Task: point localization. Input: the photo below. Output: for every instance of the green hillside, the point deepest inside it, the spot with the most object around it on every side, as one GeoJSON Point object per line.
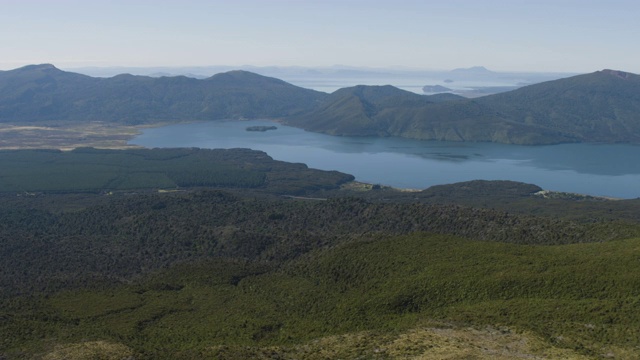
{"type": "Point", "coordinates": [600, 107]}
{"type": "Point", "coordinates": [388, 111]}
{"type": "Point", "coordinates": [510, 196]}
{"type": "Point", "coordinates": [369, 289]}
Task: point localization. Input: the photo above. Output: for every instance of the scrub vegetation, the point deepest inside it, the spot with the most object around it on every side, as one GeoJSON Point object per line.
{"type": "Point", "coordinates": [245, 272]}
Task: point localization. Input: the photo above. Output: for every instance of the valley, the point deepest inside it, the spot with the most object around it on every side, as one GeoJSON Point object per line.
{"type": "Point", "coordinates": [114, 248]}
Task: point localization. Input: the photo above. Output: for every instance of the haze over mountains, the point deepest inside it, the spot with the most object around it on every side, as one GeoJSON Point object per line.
{"type": "Point", "coordinates": [599, 107]}
{"type": "Point", "coordinates": [290, 73]}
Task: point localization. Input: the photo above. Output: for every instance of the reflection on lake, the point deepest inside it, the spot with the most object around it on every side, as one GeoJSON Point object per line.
{"type": "Point", "coordinates": [595, 169]}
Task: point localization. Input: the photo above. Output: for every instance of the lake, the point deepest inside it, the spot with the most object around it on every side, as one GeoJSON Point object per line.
{"type": "Point", "coordinates": [594, 169]}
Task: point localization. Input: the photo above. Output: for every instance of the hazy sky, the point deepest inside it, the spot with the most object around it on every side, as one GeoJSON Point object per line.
{"type": "Point", "coordinates": [503, 35]}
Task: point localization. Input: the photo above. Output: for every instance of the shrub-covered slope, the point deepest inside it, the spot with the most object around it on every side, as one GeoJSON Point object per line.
{"type": "Point", "coordinates": [129, 235]}
{"type": "Point", "coordinates": [576, 300]}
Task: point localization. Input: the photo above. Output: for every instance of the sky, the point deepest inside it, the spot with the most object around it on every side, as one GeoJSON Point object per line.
{"type": "Point", "coordinates": [502, 35]}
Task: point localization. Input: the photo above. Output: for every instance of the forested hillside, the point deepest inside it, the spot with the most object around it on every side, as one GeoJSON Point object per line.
{"type": "Point", "coordinates": [603, 106]}
{"type": "Point", "coordinates": [600, 107]}
{"type": "Point", "coordinates": [95, 170]}
{"type": "Point", "coordinates": [241, 256]}
{"type": "Point", "coordinates": [220, 275]}
{"type": "Point", "coordinates": [43, 93]}
{"type": "Point", "coordinates": [134, 234]}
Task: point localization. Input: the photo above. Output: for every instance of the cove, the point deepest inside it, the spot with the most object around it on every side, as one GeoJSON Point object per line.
{"type": "Point", "coordinates": [611, 170]}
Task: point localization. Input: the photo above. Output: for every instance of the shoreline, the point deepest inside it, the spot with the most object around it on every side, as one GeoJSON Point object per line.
{"type": "Point", "coordinates": [101, 135]}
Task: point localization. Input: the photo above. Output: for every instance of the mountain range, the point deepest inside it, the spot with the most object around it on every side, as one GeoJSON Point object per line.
{"type": "Point", "coordinates": [600, 107]}
{"type": "Point", "coordinates": [603, 106]}
{"type": "Point", "coordinates": [39, 93]}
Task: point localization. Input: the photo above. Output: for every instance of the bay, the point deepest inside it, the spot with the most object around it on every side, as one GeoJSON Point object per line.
{"type": "Point", "coordinates": [611, 170]}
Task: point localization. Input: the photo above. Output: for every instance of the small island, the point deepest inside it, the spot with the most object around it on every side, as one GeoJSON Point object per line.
{"type": "Point", "coordinates": [261, 128]}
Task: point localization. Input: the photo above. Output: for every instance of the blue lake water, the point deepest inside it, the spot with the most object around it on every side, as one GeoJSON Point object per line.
{"type": "Point", "coordinates": [594, 169]}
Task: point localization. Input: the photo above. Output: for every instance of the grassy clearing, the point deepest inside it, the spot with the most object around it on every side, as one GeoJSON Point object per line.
{"type": "Point", "coordinates": [443, 341]}
{"type": "Point", "coordinates": [67, 136]}
{"type": "Point", "coordinates": [94, 350]}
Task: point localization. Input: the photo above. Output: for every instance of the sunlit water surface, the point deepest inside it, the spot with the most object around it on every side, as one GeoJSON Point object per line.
{"type": "Point", "coordinates": [594, 169]}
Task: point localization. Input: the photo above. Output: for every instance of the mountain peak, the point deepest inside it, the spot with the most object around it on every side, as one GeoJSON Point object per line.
{"type": "Point", "coordinates": [373, 90]}
{"type": "Point", "coordinates": [39, 67]}
{"type": "Point", "coordinates": [617, 73]}
{"type": "Point", "coordinates": [245, 78]}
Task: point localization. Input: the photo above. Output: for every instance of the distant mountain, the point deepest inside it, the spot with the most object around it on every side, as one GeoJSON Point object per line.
{"type": "Point", "coordinates": [598, 107]}
{"type": "Point", "coordinates": [388, 111]}
{"type": "Point", "coordinates": [477, 77]}
{"type": "Point", "coordinates": [45, 93]}
{"type": "Point", "coordinates": [474, 70]}
{"type": "Point", "coordinates": [360, 110]}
